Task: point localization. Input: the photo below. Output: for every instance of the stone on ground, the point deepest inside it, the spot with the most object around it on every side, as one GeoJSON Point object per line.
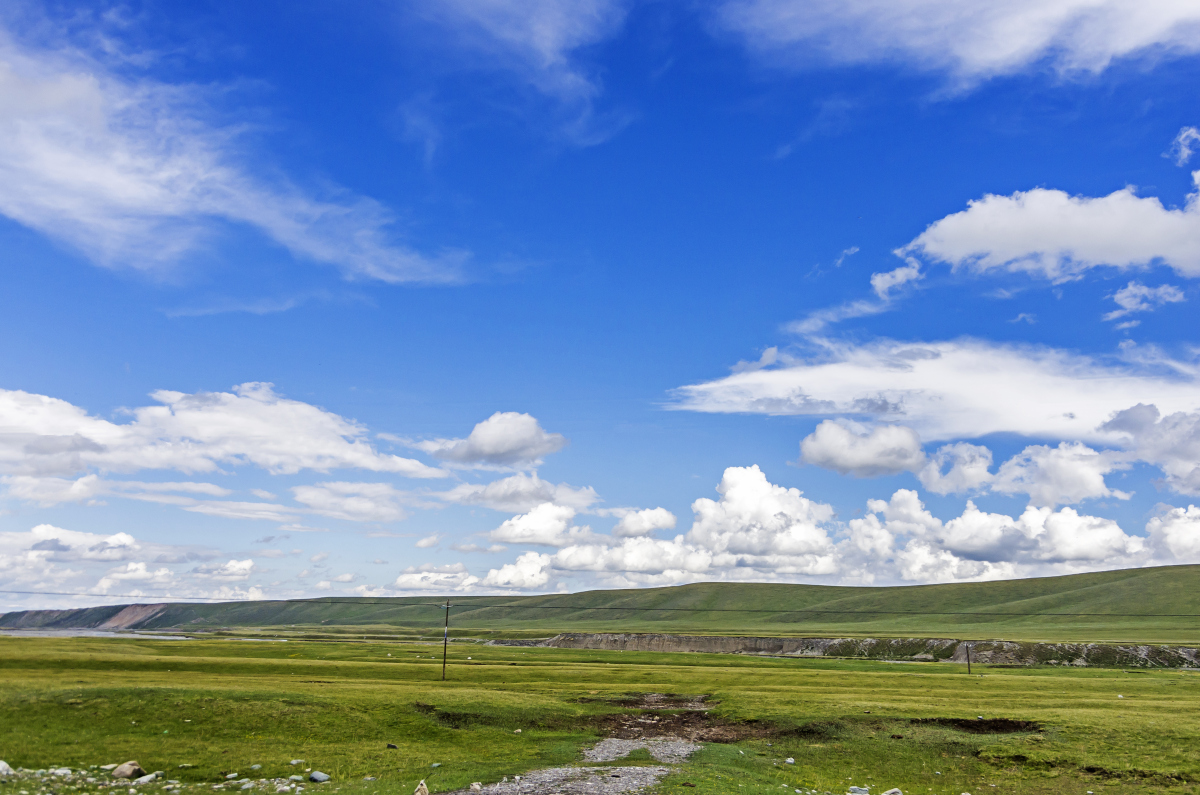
{"type": "Point", "coordinates": [5, 770]}
{"type": "Point", "coordinates": [146, 779]}
{"type": "Point", "coordinates": [130, 769]}
{"type": "Point", "coordinates": [318, 776]}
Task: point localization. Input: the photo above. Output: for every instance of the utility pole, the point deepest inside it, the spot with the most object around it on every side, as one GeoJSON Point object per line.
{"type": "Point", "coordinates": [446, 640]}
{"type": "Point", "coordinates": [968, 661]}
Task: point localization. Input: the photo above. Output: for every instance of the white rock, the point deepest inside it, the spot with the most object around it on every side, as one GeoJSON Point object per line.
{"type": "Point", "coordinates": [296, 762]}
{"type": "Point", "coordinates": [894, 791]}
{"type": "Point", "coordinates": [476, 786]}
{"type": "Point", "coordinates": [5, 770]}
{"type": "Point", "coordinates": [792, 761]}
{"type": "Point", "coordinates": [146, 779]}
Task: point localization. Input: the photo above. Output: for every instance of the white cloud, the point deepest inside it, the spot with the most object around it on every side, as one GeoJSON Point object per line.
{"type": "Point", "coordinates": [969, 469]}
{"type": "Point", "coordinates": [231, 570]}
{"type": "Point", "coordinates": [852, 450]}
{"type": "Point", "coordinates": [505, 440]}
{"type": "Point", "coordinates": [1171, 442]}
{"type": "Point", "coordinates": [137, 572]}
{"type": "Point", "coordinates": [1176, 534]}
{"type": "Point", "coordinates": [982, 546]}
{"type": "Point", "coordinates": [1052, 234]}
{"type": "Point", "coordinates": [353, 502]}
{"type": "Point", "coordinates": [131, 173]}
{"type": "Point", "coordinates": [634, 524]}
{"type": "Point", "coordinates": [970, 41]}
{"type": "Point", "coordinates": [53, 491]}
{"type": "Point", "coordinates": [546, 525]}
{"type": "Point", "coordinates": [1137, 297]}
{"type": "Point", "coordinates": [667, 561]}
{"type": "Point", "coordinates": [520, 492]}
{"type": "Point", "coordinates": [1181, 147]}
{"type": "Point", "coordinates": [957, 389]}
{"type": "Point", "coordinates": [884, 283]}
{"type": "Point", "coordinates": [42, 436]}
{"type": "Point", "coordinates": [759, 524]}
{"type": "Point", "coordinates": [1068, 473]}
{"type": "Point", "coordinates": [428, 541]}
{"type": "Point", "coordinates": [530, 570]}
{"type": "Point", "coordinates": [537, 38]}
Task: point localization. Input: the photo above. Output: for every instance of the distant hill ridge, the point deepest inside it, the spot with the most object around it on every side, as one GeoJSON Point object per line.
{"type": "Point", "coordinates": [1144, 605]}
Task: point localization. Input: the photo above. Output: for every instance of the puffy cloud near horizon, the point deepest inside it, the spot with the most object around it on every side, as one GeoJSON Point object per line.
{"type": "Point", "coordinates": [971, 42]}
{"type": "Point", "coordinates": [50, 558]}
{"type": "Point", "coordinates": [520, 492]}
{"type": "Point", "coordinates": [1050, 476]}
{"type": "Point", "coordinates": [547, 525]}
{"type": "Point", "coordinates": [956, 389]}
{"type": "Point", "coordinates": [634, 524]}
{"type": "Point", "coordinates": [505, 440]}
{"type": "Point", "coordinates": [134, 173]}
{"type": "Point", "coordinates": [1054, 235]}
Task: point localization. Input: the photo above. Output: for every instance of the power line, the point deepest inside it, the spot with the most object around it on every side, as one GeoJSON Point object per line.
{"type": "Point", "coordinates": [477, 605]}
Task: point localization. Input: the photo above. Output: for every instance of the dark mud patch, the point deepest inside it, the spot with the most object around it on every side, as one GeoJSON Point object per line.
{"type": "Point", "coordinates": [983, 725]}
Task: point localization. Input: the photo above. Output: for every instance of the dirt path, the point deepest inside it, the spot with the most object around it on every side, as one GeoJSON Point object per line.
{"type": "Point", "coordinates": [629, 733]}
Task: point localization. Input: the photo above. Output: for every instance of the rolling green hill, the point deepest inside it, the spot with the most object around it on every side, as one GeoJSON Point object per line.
{"type": "Point", "coordinates": [1151, 605]}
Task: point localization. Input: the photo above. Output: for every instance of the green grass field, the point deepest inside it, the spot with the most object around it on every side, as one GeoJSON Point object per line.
{"type": "Point", "coordinates": [1100, 606]}
{"type": "Point", "coordinates": [222, 705]}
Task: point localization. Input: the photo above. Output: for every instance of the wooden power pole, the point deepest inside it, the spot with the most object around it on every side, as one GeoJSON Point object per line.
{"type": "Point", "coordinates": [445, 639]}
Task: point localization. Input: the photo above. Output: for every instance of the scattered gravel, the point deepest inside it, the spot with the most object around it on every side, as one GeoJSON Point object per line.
{"type": "Point", "coordinates": [579, 781]}
{"type": "Point", "coordinates": [671, 750]}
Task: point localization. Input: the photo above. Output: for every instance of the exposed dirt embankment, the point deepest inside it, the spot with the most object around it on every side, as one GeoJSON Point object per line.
{"type": "Point", "coordinates": [995, 652]}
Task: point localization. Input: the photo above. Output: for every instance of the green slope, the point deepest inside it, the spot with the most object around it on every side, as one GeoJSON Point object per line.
{"type": "Point", "coordinates": [1153, 605]}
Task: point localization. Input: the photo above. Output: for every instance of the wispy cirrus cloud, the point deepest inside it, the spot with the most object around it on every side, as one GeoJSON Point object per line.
{"type": "Point", "coordinates": [970, 42]}
{"type": "Point", "coordinates": [137, 173]}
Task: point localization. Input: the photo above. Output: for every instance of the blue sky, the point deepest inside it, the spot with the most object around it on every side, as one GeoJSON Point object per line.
{"type": "Point", "coordinates": [480, 296]}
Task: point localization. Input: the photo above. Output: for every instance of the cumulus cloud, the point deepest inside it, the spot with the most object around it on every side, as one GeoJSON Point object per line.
{"type": "Point", "coordinates": [530, 570]}
{"type": "Point", "coordinates": [756, 523]}
{"type": "Point", "coordinates": [132, 173]}
{"type": "Point", "coordinates": [952, 390]}
{"type": "Point", "coordinates": [1068, 473]}
{"type": "Point", "coordinates": [634, 524]}
{"type": "Point", "coordinates": [428, 577]}
{"type": "Point", "coordinates": [970, 42]}
{"type": "Point", "coordinates": [901, 536]}
{"type": "Point", "coordinates": [1137, 297]}
{"type": "Point", "coordinates": [1171, 442]}
{"type": "Point", "coordinates": [957, 468]}
{"type": "Point", "coordinates": [1057, 236]}
{"type": "Point", "coordinates": [1176, 534]}
{"type": "Point", "coordinates": [353, 502]}
{"type": "Point", "coordinates": [546, 525]}
{"type": "Point", "coordinates": [520, 492]}
{"type": "Point", "coordinates": [505, 440]}
{"type": "Point", "coordinates": [852, 450]}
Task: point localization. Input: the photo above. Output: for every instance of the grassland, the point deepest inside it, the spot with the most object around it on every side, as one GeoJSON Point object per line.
{"type": "Point", "coordinates": [1153, 605]}
{"type": "Point", "coordinates": [222, 705]}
